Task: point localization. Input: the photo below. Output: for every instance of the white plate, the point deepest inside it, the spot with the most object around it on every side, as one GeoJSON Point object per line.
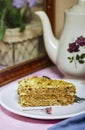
{"type": "Point", "coordinates": [9, 100]}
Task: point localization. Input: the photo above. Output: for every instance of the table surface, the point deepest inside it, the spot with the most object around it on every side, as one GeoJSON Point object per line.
{"type": "Point", "coordinates": [13, 121]}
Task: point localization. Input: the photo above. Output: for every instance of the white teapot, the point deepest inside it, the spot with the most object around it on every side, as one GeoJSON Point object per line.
{"type": "Point", "coordinates": [68, 53]}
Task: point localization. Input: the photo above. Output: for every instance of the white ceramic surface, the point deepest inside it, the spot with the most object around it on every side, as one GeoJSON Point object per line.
{"type": "Point", "coordinates": [69, 63]}
{"type": "Point", "coordinates": [9, 100]}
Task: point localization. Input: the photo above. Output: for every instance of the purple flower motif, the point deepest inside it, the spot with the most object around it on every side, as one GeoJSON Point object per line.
{"type": "Point", "coordinates": [73, 47]}
{"type": "Point", "coordinates": [31, 3]}
{"type": "Point", "coordinates": [19, 3]}
{"type": "Point", "coordinates": [81, 41]}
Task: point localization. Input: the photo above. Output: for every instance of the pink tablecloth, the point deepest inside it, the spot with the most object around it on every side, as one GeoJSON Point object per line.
{"type": "Point", "coordinates": [11, 121]}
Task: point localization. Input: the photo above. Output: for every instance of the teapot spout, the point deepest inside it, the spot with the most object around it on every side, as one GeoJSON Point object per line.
{"type": "Point", "coordinates": [51, 43]}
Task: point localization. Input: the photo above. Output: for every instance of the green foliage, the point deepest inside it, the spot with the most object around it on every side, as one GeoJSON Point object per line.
{"type": "Point", "coordinates": [11, 17]}
{"type": "Point", "coordinates": [80, 58]}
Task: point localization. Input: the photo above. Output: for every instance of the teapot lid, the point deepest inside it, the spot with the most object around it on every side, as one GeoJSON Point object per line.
{"type": "Point", "coordinates": [79, 8]}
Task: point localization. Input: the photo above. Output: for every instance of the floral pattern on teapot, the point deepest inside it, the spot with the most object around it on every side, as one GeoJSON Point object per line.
{"type": "Point", "coordinates": [75, 47]}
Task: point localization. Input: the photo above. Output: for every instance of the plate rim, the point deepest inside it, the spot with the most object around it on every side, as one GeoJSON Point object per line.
{"type": "Point", "coordinates": [47, 117]}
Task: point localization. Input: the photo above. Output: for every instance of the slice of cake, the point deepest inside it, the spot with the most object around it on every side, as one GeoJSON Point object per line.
{"type": "Point", "coordinates": [36, 91]}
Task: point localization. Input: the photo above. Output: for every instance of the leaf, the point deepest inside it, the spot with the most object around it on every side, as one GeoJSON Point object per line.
{"type": "Point", "coordinates": [2, 32]}
{"type": "Point", "coordinates": [81, 61]}
{"type": "Point", "coordinates": [23, 11]}
{"type": "Point", "coordinates": [77, 57]}
{"type": "Point", "coordinates": [22, 27]}
{"type": "Point", "coordinates": [15, 18]}
{"type": "Point", "coordinates": [82, 56]}
{"type": "Point", "coordinates": [2, 26]}
{"type": "Point", "coordinates": [70, 59]}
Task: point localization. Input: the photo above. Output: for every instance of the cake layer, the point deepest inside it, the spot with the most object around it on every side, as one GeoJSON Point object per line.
{"type": "Point", "coordinates": [36, 91]}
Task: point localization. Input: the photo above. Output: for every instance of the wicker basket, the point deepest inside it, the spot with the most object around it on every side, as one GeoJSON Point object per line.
{"type": "Point", "coordinates": [18, 47]}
